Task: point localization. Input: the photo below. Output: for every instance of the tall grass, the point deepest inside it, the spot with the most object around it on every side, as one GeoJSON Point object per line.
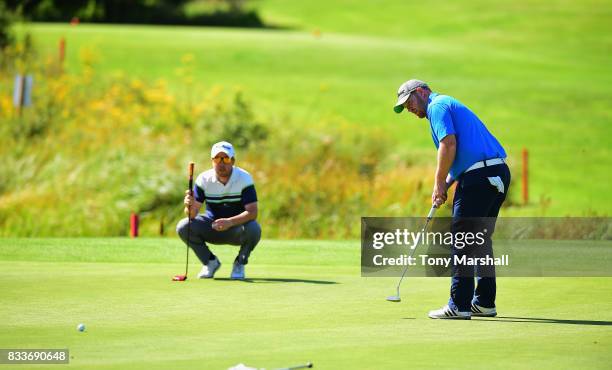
{"type": "Point", "coordinates": [92, 149]}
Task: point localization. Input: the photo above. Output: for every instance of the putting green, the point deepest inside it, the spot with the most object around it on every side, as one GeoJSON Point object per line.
{"type": "Point", "coordinates": [304, 301]}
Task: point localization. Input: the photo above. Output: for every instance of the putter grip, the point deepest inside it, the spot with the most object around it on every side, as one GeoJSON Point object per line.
{"type": "Point", "coordinates": [191, 165]}
{"type": "Point", "coordinates": [432, 211]}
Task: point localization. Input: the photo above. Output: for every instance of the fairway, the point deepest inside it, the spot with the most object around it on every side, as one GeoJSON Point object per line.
{"type": "Point", "coordinates": [304, 301]}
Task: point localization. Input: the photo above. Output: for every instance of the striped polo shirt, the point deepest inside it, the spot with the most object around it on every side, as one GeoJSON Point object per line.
{"type": "Point", "coordinates": [227, 200]}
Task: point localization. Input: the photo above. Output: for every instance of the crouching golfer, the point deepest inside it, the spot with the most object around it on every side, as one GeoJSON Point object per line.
{"type": "Point", "coordinates": [468, 153]}
{"type": "Point", "coordinates": [231, 210]}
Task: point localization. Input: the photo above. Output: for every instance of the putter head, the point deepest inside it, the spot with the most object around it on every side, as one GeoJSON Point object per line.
{"type": "Point", "coordinates": [179, 278]}
{"type": "Point", "coordinates": [394, 298]}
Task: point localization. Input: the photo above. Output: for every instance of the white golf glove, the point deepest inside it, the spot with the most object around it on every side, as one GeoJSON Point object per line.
{"type": "Point", "coordinates": [498, 183]}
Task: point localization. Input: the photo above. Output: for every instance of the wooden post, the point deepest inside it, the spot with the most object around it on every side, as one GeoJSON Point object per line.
{"type": "Point", "coordinates": [134, 225]}
{"type": "Point", "coordinates": [161, 227]}
{"type": "Point", "coordinates": [22, 93]}
{"type": "Point", "coordinates": [525, 176]}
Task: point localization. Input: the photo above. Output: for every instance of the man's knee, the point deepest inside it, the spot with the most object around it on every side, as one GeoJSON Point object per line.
{"type": "Point", "coordinates": [252, 232]}
{"type": "Point", "coordinates": [181, 228]}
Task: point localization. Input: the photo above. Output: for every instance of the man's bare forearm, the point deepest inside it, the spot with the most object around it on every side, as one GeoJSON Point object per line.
{"type": "Point", "coordinates": [194, 211]}
{"type": "Point", "coordinates": [243, 218]}
{"type": "Point", "coordinates": [446, 156]}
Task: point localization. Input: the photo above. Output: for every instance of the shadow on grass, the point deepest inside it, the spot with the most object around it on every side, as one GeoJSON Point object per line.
{"type": "Point", "coordinates": [544, 321]}
{"type": "Point", "coordinates": [278, 280]}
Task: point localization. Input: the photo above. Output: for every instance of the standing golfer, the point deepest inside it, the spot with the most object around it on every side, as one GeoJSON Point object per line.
{"type": "Point", "coordinates": [469, 154]}
{"type": "Point", "coordinates": [231, 210]}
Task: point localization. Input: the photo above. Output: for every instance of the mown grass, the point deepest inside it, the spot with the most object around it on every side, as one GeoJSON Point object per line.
{"type": "Point", "coordinates": [305, 301]}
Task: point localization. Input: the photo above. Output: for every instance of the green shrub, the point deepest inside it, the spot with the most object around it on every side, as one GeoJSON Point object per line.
{"type": "Point", "coordinates": [6, 37]}
{"type": "Point", "coordinates": [228, 13]}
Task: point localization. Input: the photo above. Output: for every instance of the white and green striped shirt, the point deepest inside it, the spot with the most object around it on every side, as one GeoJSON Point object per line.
{"type": "Point", "coordinates": [227, 200]}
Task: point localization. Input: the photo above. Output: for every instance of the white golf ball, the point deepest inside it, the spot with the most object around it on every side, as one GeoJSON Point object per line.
{"type": "Point", "coordinates": [81, 327]}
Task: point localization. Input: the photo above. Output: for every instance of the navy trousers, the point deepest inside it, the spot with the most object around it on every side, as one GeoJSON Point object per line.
{"type": "Point", "coordinates": [475, 208]}
{"type": "Point", "coordinates": [246, 236]}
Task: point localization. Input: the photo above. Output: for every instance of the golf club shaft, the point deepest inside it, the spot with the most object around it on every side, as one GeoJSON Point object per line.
{"type": "Point", "coordinates": [190, 171]}
{"type": "Point", "coordinates": [432, 211]}
{"type": "Point", "coordinates": [305, 366]}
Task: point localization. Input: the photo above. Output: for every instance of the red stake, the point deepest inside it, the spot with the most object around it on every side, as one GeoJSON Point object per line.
{"type": "Point", "coordinates": [134, 225]}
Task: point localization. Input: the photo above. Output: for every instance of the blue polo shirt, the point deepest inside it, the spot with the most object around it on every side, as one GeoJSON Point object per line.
{"type": "Point", "coordinates": [475, 143]}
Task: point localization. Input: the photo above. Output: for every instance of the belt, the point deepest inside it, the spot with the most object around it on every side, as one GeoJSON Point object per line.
{"type": "Point", "coordinates": [485, 163]}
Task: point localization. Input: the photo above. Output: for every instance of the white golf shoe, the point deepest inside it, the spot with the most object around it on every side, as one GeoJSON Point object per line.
{"type": "Point", "coordinates": [483, 311]}
{"type": "Point", "coordinates": [448, 313]}
{"type": "Point", "coordinates": [208, 270]}
{"type": "Point", "coordinates": [237, 271]}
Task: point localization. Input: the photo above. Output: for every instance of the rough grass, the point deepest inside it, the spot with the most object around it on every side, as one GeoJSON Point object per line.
{"type": "Point", "coordinates": [536, 74]}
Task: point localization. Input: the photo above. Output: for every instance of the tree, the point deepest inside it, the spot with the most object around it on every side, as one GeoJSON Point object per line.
{"type": "Point", "coordinates": [5, 27]}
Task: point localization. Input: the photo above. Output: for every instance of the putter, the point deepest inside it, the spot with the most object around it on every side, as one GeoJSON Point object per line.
{"type": "Point", "coordinates": [397, 297]}
{"type": "Point", "coordinates": [305, 366]}
{"type": "Point", "coordinates": [184, 277]}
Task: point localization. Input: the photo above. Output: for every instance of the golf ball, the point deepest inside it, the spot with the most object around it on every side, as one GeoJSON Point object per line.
{"type": "Point", "coordinates": [81, 327]}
